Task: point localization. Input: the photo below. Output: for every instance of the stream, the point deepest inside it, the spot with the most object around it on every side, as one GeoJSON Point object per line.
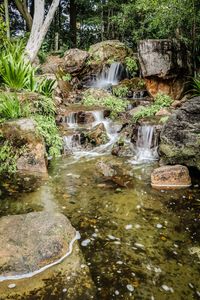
{"type": "Point", "coordinates": [139, 243]}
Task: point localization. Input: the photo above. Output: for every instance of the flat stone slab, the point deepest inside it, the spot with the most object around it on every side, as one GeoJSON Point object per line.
{"type": "Point", "coordinates": [30, 242]}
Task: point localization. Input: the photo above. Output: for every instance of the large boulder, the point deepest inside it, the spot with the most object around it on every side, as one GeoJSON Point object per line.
{"type": "Point", "coordinates": [180, 136]}
{"type": "Point", "coordinates": [23, 135]}
{"type": "Point", "coordinates": [74, 61]}
{"type": "Point", "coordinates": [40, 248]}
{"type": "Point", "coordinates": [165, 65]}
{"type": "Point", "coordinates": [51, 65]}
{"type": "Point", "coordinates": [170, 177]}
{"type": "Point", "coordinates": [103, 54]}
{"type": "Point", "coordinates": [109, 50]}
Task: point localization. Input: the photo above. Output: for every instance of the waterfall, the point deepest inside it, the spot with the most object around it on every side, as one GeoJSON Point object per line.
{"type": "Point", "coordinates": [110, 76]}
{"type": "Point", "coordinates": [71, 142]}
{"type": "Point", "coordinates": [146, 145]}
{"type": "Point", "coordinates": [138, 94]}
{"type": "Point", "coordinates": [71, 119]}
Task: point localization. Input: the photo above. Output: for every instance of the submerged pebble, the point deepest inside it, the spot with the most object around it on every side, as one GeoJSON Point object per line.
{"type": "Point", "coordinates": [130, 287]}
{"type": "Point", "coordinates": [12, 286]}
{"type": "Point", "coordinates": [85, 242]}
{"type": "Point", "coordinates": [167, 288]}
{"type": "Point", "coordinates": [159, 226]}
{"type": "Point", "coordinates": [129, 226]}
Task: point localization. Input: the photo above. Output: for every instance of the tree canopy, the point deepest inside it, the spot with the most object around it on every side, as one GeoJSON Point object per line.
{"type": "Point", "coordinates": [81, 23]}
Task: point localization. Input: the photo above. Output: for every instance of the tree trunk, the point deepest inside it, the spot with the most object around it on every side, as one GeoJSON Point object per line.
{"type": "Point", "coordinates": [40, 27]}
{"type": "Point", "coordinates": [7, 18]}
{"type": "Point", "coordinates": [73, 31]}
{"type": "Point", "coordinates": [23, 9]}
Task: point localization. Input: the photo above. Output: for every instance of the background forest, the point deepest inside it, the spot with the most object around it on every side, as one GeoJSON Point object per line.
{"type": "Point", "coordinates": [84, 22]}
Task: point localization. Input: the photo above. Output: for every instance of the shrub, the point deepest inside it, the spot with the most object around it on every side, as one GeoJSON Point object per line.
{"type": "Point", "coordinates": [131, 65]}
{"type": "Point", "coordinates": [46, 127]}
{"type": "Point", "coordinates": [8, 157]}
{"type": "Point", "coordinates": [161, 100]}
{"type": "Point", "coordinates": [45, 106]}
{"type": "Point", "coordinates": [120, 91]}
{"type": "Point", "coordinates": [114, 104]}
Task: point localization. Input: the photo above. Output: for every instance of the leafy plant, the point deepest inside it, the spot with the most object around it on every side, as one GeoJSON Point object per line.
{"type": "Point", "coordinates": [196, 86]}
{"type": "Point", "coordinates": [46, 87]}
{"type": "Point", "coordinates": [11, 108]}
{"type": "Point", "coordinates": [15, 71]}
{"type": "Point", "coordinates": [45, 106]}
{"type": "Point", "coordinates": [62, 75]}
{"type": "Point", "coordinates": [46, 127]}
{"type": "Point", "coordinates": [8, 158]}
{"type": "Point", "coordinates": [131, 65]}
{"type": "Point", "coordinates": [161, 100]}
{"type": "Point", "coordinates": [120, 91]}
{"type": "Point", "coordinates": [164, 119]}
{"type": "Point", "coordinates": [114, 104]}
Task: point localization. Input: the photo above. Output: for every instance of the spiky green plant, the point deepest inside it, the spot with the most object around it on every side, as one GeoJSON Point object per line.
{"type": "Point", "coordinates": [15, 70]}
{"type": "Point", "coordinates": [11, 108]}
{"type": "Point", "coordinates": [46, 87]}
{"type": "Point", "coordinates": [196, 86]}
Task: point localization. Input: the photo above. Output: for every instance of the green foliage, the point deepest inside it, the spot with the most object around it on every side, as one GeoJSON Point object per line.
{"type": "Point", "coordinates": [164, 119]}
{"type": "Point", "coordinates": [46, 127]}
{"type": "Point", "coordinates": [46, 87]}
{"type": "Point", "coordinates": [141, 84]}
{"type": "Point", "coordinates": [161, 100]}
{"type": "Point", "coordinates": [11, 108]}
{"type": "Point", "coordinates": [67, 77]}
{"type": "Point", "coordinates": [114, 104]}
{"type": "Point", "coordinates": [2, 26]}
{"type": "Point", "coordinates": [131, 65]}
{"type": "Point", "coordinates": [196, 86]}
{"type": "Point", "coordinates": [62, 75]}
{"type": "Point", "coordinates": [120, 91]}
{"type": "Point", "coordinates": [8, 158]}
{"type": "Point", "coordinates": [15, 71]}
{"type": "Point", "coordinates": [45, 106]}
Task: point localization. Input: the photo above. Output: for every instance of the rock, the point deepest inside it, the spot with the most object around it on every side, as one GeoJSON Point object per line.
{"type": "Point", "coordinates": [52, 65]}
{"type": "Point", "coordinates": [165, 65]}
{"type": "Point", "coordinates": [180, 136]}
{"type": "Point", "coordinates": [170, 177]}
{"type": "Point", "coordinates": [74, 61]}
{"type": "Point", "coordinates": [97, 135]}
{"type": "Point", "coordinates": [122, 149]}
{"type": "Point", "coordinates": [64, 89]}
{"type": "Point", "coordinates": [114, 173]}
{"type": "Point", "coordinates": [22, 133]}
{"type": "Point", "coordinates": [163, 112]}
{"type": "Point", "coordinates": [176, 104]}
{"type": "Point", "coordinates": [40, 238]}
{"type": "Point", "coordinates": [29, 244]}
{"type": "Point", "coordinates": [110, 50]}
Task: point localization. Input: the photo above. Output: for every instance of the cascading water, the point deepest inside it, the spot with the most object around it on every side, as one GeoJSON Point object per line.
{"type": "Point", "coordinates": [110, 76]}
{"type": "Point", "coordinates": [146, 145]}
{"type": "Point", "coordinates": [73, 142]}
{"type": "Point", "coordinates": [71, 120]}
